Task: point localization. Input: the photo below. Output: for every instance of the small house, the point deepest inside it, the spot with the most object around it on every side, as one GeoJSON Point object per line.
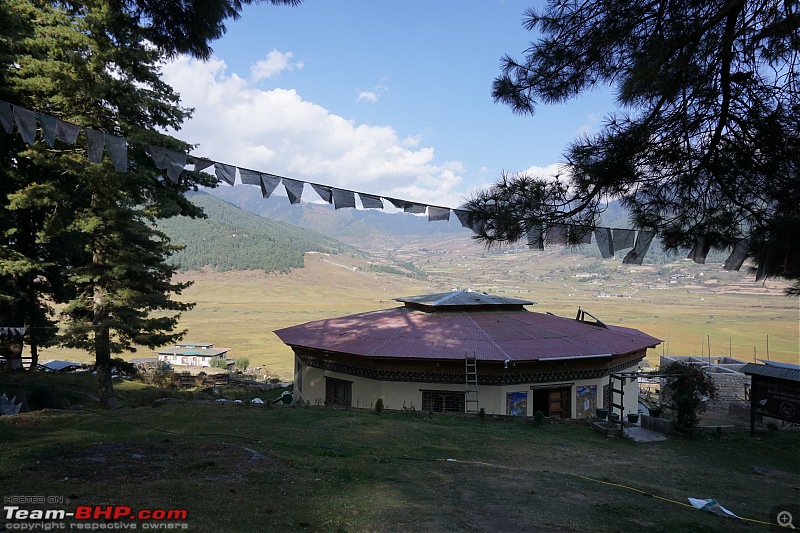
{"type": "Point", "coordinates": [192, 354]}
{"type": "Point", "coordinates": [462, 351]}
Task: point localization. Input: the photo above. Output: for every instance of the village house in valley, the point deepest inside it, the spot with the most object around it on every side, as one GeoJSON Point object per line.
{"type": "Point", "coordinates": [192, 354]}
{"type": "Point", "coordinates": [461, 351]}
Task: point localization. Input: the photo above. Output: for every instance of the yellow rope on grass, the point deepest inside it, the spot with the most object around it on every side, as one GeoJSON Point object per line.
{"type": "Point", "coordinates": [608, 483]}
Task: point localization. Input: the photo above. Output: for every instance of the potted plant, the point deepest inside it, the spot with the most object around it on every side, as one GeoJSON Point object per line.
{"type": "Point", "coordinates": [633, 418]}
{"type": "Point", "coordinates": [655, 412]}
{"type": "Point", "coordinates": [613, 417]}
{"type": "Point", "coordinates": [602, 413]}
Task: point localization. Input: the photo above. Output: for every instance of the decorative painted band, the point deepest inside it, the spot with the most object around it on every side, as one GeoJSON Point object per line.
{"type": "Point", "coordinates": [455, 377]}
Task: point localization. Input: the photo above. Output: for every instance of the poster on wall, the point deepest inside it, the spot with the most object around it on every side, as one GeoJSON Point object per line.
{"type": "Point", "coordinates": [586, 403]}
{"type": "Point", "coordinates": [517, 403]}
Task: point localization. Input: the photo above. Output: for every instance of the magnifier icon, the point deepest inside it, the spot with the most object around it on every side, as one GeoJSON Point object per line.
{"type": "Point", "coordinates": [785, 519]}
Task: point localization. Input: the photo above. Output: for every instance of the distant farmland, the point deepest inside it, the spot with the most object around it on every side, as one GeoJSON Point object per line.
{"type": "Point", "coordinates": [684, 304]}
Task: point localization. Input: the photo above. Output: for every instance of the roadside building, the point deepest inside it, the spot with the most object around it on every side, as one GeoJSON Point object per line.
{"type": "Point", "coordinates": [192, 354]}
{"type": "Point", "coordinates": [462, 351]}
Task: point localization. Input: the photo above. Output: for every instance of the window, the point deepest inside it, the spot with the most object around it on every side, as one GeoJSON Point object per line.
{"type": "Point", "coordinates": [338, 392]}
{"type": "Point", "coordinates": [443, 401]}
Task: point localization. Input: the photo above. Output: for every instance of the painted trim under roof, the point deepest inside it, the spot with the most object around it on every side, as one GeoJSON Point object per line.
{"type": "Point", "coordinates": [579, 357]}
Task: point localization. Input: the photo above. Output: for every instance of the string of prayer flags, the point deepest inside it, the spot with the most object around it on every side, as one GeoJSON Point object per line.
{"type": "Point", "coordinates": [608, 240]}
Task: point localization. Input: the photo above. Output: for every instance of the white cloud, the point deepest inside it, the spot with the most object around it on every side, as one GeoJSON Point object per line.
{"type": "Point", "coordinates": [278, 131]}
{"type": "Point", "coordinates": [275, 63]}
{"type": "Point", "coordinates": [367, 96]}
{"type": "Point", "coordinates": [590, 126]}
{"type": "Point", "coordinates": [372, 95]}
{"type": "Point", "coordinates": [548, 172]}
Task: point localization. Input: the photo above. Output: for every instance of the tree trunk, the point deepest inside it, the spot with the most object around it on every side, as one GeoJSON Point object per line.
{"type": "Point", "coordinates": [102, 333]}
{"type": "Point", "coordinates": [102, 352]}
{"type": "Point", "coordinates": [34, 356]}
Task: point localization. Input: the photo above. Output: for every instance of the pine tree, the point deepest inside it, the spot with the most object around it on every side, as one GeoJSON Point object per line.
{"type": "Point", "coordinates": [80, 232]}
{"type": "Point", "coordinates": [706, 149]}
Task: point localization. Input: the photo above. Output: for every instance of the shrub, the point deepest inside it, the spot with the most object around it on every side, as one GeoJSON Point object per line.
{"type": "Point", "coordinates": [242, 363]}
{"type": "Point", "coordinates": [685, 390]}
{"type": "Point", "coordinates": [219, 362]}
{"type": "Point", "coordinates": [482, 414]}
{"type": "Point", "coordinates": [538, 418]}
{"type": "Point", "coordinates": [378, 406]}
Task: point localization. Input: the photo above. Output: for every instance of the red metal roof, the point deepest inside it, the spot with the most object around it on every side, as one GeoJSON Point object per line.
{"type": "Point", "coordinates": [488, 335]}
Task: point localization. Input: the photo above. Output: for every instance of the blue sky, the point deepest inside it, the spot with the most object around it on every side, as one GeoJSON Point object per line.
{"type": "Point", "coordinates": [386, 97]}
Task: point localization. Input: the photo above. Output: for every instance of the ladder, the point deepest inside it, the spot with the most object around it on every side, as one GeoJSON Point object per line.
{"type": "Point", "coordinates": [471, 385]}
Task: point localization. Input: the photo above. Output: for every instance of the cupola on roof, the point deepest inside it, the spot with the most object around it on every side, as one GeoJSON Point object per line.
{"type": "Point", "coordinates": [462, 300]}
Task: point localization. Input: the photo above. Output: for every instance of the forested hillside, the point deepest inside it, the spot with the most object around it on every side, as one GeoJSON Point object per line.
{"type": "Point", "coordinates": [233, 239]}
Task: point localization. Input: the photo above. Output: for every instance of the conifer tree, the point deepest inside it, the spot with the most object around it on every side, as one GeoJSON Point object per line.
{"type": "Point", "coordinates": [79, 232]}
{"type": "Point", "coordinates": [706, 147]}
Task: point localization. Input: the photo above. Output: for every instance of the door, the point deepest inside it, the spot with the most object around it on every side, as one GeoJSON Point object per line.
{"type": "Point", "coordinates": [556, 403]}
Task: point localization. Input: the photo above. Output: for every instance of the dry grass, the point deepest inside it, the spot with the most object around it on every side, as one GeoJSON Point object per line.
{"type": "Point", "coordinates": [241, 309]}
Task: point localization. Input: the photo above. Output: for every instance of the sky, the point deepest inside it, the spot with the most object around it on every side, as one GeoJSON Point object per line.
{"type": "Point", "coordinates": [386, 97]}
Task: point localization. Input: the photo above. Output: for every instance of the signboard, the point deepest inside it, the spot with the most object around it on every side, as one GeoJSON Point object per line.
{"type": "Point", "coordinates": [776, 398]}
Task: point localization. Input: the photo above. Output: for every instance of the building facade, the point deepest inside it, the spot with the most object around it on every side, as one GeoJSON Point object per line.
{"type": "Point", "coordinates": [192, 354]}
{"type": "Point", "coordinates": [462, 351]}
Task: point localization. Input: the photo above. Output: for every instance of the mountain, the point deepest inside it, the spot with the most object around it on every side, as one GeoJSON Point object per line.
{"type": "Point", "coordinates": [365, 228]}
{"type": "Point", "coordinates": [233, 239]}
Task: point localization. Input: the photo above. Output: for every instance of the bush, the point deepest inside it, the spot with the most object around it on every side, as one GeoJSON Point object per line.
{"type": "Point", "coordinates": [242, 363]}
{"type": "Point", "coordinates": [482, 414]}
{"type": "Point", "coordinates": [378, 406]}
{"type": "Point", "coordinates": [219, 362]}
{"type": "Point", "coordinates": [685, 390]}
{"type": "Point", "coordinates": [538, 418]}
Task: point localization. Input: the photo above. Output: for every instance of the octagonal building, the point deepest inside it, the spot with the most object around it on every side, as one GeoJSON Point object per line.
{"type": "Point", "coordinates": [461, 351]}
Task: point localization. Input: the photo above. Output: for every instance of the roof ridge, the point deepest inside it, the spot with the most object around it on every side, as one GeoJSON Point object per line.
{"type": "Point", "coordinates": [486, 336]}
{"type": "Point", "coordinates": [449, 295]}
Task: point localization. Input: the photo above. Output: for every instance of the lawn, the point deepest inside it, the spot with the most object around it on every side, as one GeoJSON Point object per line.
{"type": "Point", "coordinates": [256, 468]}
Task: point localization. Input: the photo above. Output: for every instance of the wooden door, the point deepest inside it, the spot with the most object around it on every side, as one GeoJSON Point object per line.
{"type": "Point", "coordinates": [556, 403]}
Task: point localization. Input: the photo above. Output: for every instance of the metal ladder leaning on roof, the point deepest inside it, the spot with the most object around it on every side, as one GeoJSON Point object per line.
{"type": "Point", "coordinates": [471, 387]}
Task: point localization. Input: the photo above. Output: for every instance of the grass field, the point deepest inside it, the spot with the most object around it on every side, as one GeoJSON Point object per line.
{"type": "Point", "coordinates": [252, 468]}
{"type": "Point", "coordinates": [240, 310]}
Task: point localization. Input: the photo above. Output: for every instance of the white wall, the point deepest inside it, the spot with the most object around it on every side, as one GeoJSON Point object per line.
{"type": "Point", "coordinates": [396, 394]}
